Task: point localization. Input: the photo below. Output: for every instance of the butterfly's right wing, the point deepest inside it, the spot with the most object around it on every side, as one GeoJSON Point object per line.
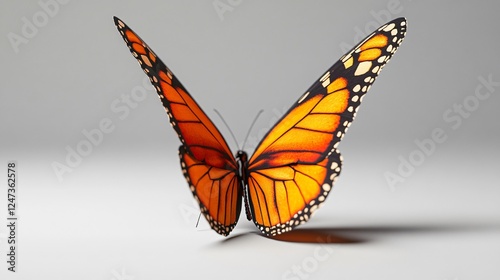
{"type": "Point", "coordinates": [293, 168]}
{"type": "Point", "coordinates": [206, 160]}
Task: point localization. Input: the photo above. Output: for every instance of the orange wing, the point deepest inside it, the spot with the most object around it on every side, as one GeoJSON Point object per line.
{"type": "Point", "coordinates": [296, 163]}
{"type": "Point", "coordinates": [207, 161]}
{"type": "Point", "coordinates": [195, 130]}
{"type": "Point", "coordinates": [218, 192]}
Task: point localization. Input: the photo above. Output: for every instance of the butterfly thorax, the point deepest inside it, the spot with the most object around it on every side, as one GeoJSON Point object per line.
{"type": "Point", "coordinates": [242, 160]}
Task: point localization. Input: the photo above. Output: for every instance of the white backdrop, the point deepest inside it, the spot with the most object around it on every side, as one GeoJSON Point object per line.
{"type": "Point", "coordinates": [408, 204]}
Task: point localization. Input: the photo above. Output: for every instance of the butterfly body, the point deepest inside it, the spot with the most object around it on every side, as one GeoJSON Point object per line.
{"type": "Point", "coordinates": [292, 170]}
{"type": "Point", "coordinates": [242, 160]}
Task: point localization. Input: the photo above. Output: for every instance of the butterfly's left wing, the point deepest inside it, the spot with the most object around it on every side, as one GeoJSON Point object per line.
{"type": "Point", "coordinates": [296, 163]}
{"type": "Point", "coordinates": [206, 160]}
{"type": "Point", "coordinates": [194, 128]}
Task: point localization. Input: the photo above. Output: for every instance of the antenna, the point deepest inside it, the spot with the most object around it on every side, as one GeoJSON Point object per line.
{"type": "Point", "coordinates": [227, 126]}
{"type": "Point", "coordinates": [198, 219]}
{"type": "Point", "coordinates": [251, 126]}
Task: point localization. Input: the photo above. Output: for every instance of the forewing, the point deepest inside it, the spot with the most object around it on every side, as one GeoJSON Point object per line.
{"type": "Point", "coordinates": [198, 134]}
{"type": "Point", "coordinates": [307, 136]}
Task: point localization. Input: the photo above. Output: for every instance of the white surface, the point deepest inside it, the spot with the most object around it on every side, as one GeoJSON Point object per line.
{"type": "Point", "coordinates": [135, 217]}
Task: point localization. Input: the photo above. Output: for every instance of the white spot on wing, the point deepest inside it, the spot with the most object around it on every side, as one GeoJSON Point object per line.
{"type": "Point", "coordinates": [334, 165]}
{"type": "Point", "coordinates": [303, 97]}
{"type": "Point", "coordinates": [363, 67]}
{"type": "Point", "coordinates": [325, 80]}
{"type": "Point", "coordinates": [389, 27]}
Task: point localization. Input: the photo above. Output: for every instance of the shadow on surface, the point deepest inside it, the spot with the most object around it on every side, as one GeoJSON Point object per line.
{"type": "Point", "coordinates": [340, 235]}
{"type": "Point", "coordinates": [366, 233]}
{"type": "Point", "coordinates": [316, 235]}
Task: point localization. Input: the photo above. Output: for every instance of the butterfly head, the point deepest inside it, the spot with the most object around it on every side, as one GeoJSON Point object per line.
{"type": "Point", "coordinates": [241, 156]}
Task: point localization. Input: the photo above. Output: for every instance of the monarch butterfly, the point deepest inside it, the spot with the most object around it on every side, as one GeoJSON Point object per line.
{"type": "Point", "coordinates": [295, 165]}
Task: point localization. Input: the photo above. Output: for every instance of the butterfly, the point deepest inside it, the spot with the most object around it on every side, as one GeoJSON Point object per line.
{"type": "Point", "coordinates": [293, 169]}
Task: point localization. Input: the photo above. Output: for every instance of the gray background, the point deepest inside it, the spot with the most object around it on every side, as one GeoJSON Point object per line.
{"type": "Point", "coordinates": [124, 210]}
